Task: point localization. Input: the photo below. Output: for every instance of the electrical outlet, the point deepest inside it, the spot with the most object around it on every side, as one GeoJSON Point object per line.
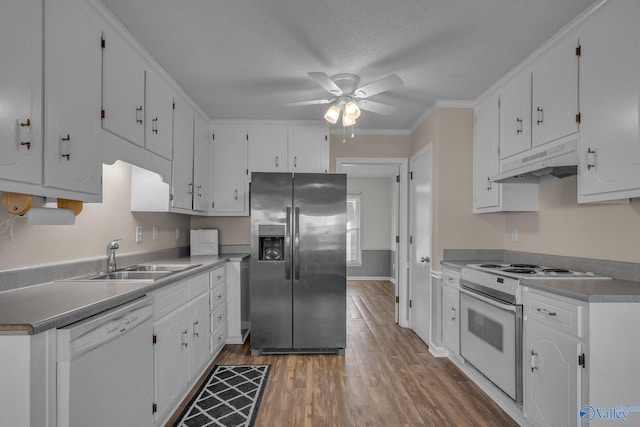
{"type": "Point", "coordinates": [177, 233]}
{"type": "Point", "coordinates": [138, 234]}
{"type": "Point", "coordinates": [514, 234]}
{"type": "Point", "coordinates": [155, 233]}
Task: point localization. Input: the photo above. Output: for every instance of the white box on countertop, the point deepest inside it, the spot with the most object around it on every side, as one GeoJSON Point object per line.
{"type": "Point", "coordinates": [204, 241]}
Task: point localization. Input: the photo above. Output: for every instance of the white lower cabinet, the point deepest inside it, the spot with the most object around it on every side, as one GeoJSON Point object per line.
{"type": "Point", "coordinates": [183, 348]}
{"type": "Point", "coordinates": [450, 311]}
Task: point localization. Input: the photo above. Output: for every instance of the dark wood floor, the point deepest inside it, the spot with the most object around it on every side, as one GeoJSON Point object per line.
{"type": "Point", "coordinates": [386, 378]}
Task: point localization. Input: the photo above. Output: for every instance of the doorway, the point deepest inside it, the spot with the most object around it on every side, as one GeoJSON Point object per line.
{"type": "Point", "coordinates": [395, 171]}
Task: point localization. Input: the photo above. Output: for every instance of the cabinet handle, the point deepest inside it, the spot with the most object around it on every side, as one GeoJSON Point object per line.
{"type": "Point", "coordinates": [154, 125]}
{"type": "Point", "coordinates": [533, 361]}
{"type": "Point", "coordinates": [295, 161]}
{"type": "Point", "coordinates": [277, 158]}
{"type": "Point", "coordinates": [139, 115]}
{"type": "Point", "coordinates": [184, 338]}
{"type": "Point", "coordinates": [547, 312]}
{"type": "Point", "coordinates": [26, 124]}
{"type": "Point", "coordinates": [67, 140]}
{"type": "Point", "coordinates": [220, 317]}
{"type": "Point", "coordinates": [190, 192]}
{"type": "Point", "coordinates": [540, 115]}
{"type": "Point", "coordinates": [26, 143]}
{"type": "Point", "coordinates": [591, 158]}
{"type": "Point", "coordinates": [518, 125]}
{"type": "Point", "coordinates": [453, 316]}
{"type": "Point", "coordinates": [235, 195]}
{"type": "Point", "coordinates": [220, 337]}
{"type": "Point", "coordinates": [220, 296]}
{"type": "Point", "coordinates": [195, 329]}
{"type": "Point", "coordinates": [489, 184]}
{"type": "Point", "coordinates": [199, 190]}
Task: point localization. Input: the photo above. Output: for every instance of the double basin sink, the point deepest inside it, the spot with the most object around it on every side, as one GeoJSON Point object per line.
{"type": "Point", "coordinates": [137, 273]}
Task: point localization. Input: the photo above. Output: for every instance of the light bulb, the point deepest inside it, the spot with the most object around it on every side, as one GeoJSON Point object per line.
{"type": "Point", "coordinates": [347, 121]}
{"type": "Point", "coordinates": [351, 110]}
{"type": "Point", "coordinates": [332, 114]}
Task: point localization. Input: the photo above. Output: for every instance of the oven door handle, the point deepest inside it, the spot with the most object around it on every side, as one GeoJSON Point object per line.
{"type": "Point", "coordinates": [490, 301]}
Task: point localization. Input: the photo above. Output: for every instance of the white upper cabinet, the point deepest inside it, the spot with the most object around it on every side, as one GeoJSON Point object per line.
{"type": "Point", "coordinates": [72, 97]}
{"type": "Point", "coordinates": [308, 148]}
{"type": "Point", "coordinates": [158, 115]}
{"type": "Point", "coordinates": [486, 195]}
{"type": "Point", "coordinates": [515, 115]}
{"type": "Point", "coordinates": [122, 88]}
{"type": "Point", "coordinates": [201, 165]}
{"type": "Point", "coordinates": [182, 165]}
{"type": "Point", "coordinates": [609, 144]}
{"type": "Point", "coordinates": [21, 91]}
{"type": "Point", "coordinates": [230, 184]}
{"type": "Point", "coordinates": [267, 145]}
{"type": "Point", "coordinates": [555, 92]}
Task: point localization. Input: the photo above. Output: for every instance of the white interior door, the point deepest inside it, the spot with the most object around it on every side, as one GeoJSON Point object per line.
{"type": "Point", "coordinates": [420, 260]}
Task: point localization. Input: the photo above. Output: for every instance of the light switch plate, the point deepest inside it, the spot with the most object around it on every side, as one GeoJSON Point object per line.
{"type": "Point", "coordinates": [138, 234]}
{"type": "Point", "coordinates": [155, 233]}
{"type": "Point", "coordinates": [177, 233]}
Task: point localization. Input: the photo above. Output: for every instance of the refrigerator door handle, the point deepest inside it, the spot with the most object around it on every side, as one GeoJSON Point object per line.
{"type": "Point", "coordinates": [296, 243]}
{"type": "Point", "coordinates": [287, 245]}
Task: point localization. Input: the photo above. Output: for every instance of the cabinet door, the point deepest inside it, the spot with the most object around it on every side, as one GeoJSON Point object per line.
{"type": "Point", "coordinates": [170, 359]}
{"type": "Point", "coordinates": [158, 115]}
{"type": "Point", "coordinates": [555, 92]}
{"type": "Point", "coordinates": [609, 145]}
{"type": "Point", "coordinates": [72, 97]}
{"type": "Point", "coordinates": [450, 328]}
{"type": "Point", "coordinates": [229, 171]}
{"type": "Point", "coordinates": [122, 88]}
{"type": "Point", "coordinates": [267, 148]}
{"type": "Point", "coordinates": [552, 395]}
{"type": "Point", "coordinates": [485, 154]}
{"type": "Point", "coordinates": [199, 324]}
{"type": "Point", "coordinates": [308, 149]}
{"type": "Point", "coordinates": [515, 116]}
{"type": "Point", "coordinates": [21, 91]}
{"type": "Point", "coordinates": [201, 165]}
{"type": "Point", "coordinates": [182, 165]}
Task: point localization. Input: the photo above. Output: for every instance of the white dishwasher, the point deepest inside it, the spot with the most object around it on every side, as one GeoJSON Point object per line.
{"type": "Point", "coordinates": [105, 369]}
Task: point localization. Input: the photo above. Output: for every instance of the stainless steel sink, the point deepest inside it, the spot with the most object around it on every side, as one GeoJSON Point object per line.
{"type": "Point", "coordinates": [136, 273]}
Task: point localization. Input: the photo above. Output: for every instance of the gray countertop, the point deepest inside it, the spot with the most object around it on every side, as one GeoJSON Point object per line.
{"type": "Point", "coordinates": [590, 290]}
{"type": "Point", "coordinates": [35, 309]}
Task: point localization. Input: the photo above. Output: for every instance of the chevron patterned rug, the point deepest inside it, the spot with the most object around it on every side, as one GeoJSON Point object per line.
{"type": "Point", "coordinates": [229, 397]}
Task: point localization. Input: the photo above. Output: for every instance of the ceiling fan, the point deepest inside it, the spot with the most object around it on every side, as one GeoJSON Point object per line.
{"type": "Point", "coordinates": [348, 98]}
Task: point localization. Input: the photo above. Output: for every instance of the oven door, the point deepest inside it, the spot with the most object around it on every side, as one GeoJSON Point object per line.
{"type": "Point", "coordinates": [491, 340]}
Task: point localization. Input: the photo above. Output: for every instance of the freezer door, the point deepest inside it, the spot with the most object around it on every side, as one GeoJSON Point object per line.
{"type": "Point", "coordinates": [319, 261]}
{"type": "Point", "coordinates": [270, 278]}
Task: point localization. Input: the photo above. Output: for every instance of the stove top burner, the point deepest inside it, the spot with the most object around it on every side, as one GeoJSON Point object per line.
{"type": "Point", "coordinates": [491, 265]}
{"type": "Point", "coordinates": [519, 270]}
{"type": "Point", "coordinates": [524, 266]}
{"type": "Point", "coordinates": [556, 270]}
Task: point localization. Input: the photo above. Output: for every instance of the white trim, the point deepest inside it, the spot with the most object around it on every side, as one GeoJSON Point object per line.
{"type": "Point", "coordinates": [386, 279]}
{"type": "Point", "coordinates": [254, 122]}
{"type": "Point", "coordinates": [339, 131]}
{"type": "Point", "coordinates": [438, 351]}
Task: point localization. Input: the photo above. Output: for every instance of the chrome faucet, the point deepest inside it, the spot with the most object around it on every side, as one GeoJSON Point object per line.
{"type": "Point", "coordinates": [111, 255]}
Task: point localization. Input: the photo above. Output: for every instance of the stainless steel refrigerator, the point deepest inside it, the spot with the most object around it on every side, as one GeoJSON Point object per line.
{"type": "Point", "coordinates": [298, 263]}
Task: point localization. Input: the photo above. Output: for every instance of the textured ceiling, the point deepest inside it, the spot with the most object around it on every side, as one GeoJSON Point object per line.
{"type": "Point", "coordinates": [242, 59]}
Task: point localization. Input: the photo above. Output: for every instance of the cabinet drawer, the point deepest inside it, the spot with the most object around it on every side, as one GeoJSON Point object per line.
{"type": "Point", "coordinates": [217, 276]}
{"type": "Point", "coordinates": [450, 278]}
{"type": "Point", "coordinates": [169, 299]}
{"type": "Point", "coordinates": [218, 338]}
{"type": "Point", "coordinates": [560, 314]}
{"type": "Point", "coordinates": [218, 296]}
{"type": "Point", "coordinates": [198, 285]}
{"type": "Point", "coordinates": [218, 317]}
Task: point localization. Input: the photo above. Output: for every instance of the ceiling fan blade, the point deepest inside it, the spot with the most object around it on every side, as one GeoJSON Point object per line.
{"type": "Point", "coordinates": [384, 84]}
{"type": "Point", "coordinates": [313, 102]}
{"type": "Point", "coordinates": [376, 107]}
{"type": "Point", "coordinates": [325, 81]}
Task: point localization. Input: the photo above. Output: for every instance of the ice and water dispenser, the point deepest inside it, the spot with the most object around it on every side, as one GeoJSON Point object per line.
{"type": "Point", "coordinates": [271, 238]}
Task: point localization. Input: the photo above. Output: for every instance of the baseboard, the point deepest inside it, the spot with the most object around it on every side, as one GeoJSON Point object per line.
{"type": "Point", "coordinates": [438, 351]}
{"type": "Point", "coordinates": [388, 279]}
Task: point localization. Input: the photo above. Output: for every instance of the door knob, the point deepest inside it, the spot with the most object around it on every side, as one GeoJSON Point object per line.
{"type": "Point", "coordinates": [425, 259]}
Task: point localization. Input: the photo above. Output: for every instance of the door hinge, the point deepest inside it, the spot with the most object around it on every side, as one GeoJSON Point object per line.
{"type": "Point", "coordinates": [397, 239]}
{"type": "Point", "coordinates": [103, 43]}
{"type": "Point", "coordinates": [213, 136]}
{"type": "Point", "coordinates": [246, 172]}
{"type": "Point", "coordinates": [102, 114]}
{"type": "Point", "coordinates": [397, 299]}
{"type": "Point", "coordinates": [579, 50]}
{"type": "Point", "coordinates": [326, 138]}
{"type": "Point", "coordinates": [154, 339]}
{"type": "Point", "coordinates": [173, 106]}
{"type": "Point", "coordinates": [213, 205]}
{"type": "Point", "coordinates": [247, 136]}
{"type": "Point", "coordinates": [410, 304]}
{"type": "Point", "coordinates": [397, 178]}
{"type": "Point", "coordinates": [581, 360]}
{"type": "Point", "coordinates": [154, 408]}
{"type": "Point", "coordinates": [411, 176]}
{"type": "Point", "coordinates": [579, 118]}
{"type": "Point", "coordinates": [410, 239]}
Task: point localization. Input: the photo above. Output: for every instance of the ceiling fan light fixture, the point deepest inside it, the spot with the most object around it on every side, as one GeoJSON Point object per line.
{"type": "Point", "coordinates": [351, 110]}
{"type": "Point", "coordinates": [332, 115]}
{"type": "Point", "coordinates": [347, 121]}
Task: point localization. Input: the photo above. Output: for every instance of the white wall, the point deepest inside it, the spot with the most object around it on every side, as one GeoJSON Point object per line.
{"type": "Point", "coordinates": [97, 224]}
{"type": "Point", "coordinates": [376, 212]}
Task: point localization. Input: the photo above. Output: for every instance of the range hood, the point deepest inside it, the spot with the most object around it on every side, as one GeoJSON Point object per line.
{"type": "Point", "coordinates": [558, 160]}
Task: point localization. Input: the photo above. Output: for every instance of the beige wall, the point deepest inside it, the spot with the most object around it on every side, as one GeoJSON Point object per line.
{"type": "Point", "coordinates": [563, 227]}
{"type": "Point", "coordinates": [97, 224]}
{"type": "Point", "coordinates": [398, 146]}
{"type": "Point", "coordinates": [232, 230]}
{"type": "Point", "coordinates": [450, 131]}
